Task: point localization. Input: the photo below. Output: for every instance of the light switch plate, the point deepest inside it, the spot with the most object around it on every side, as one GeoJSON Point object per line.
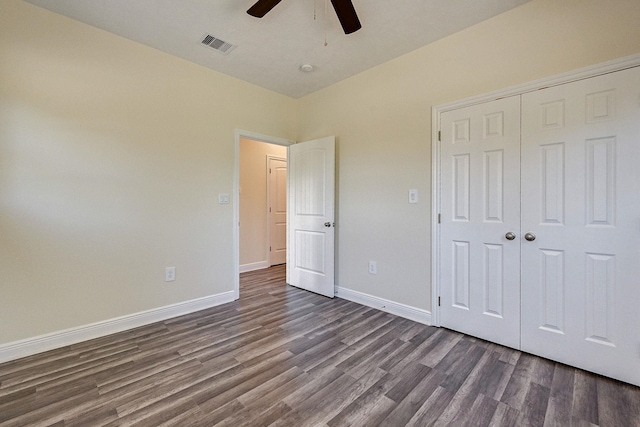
{"type": "Point", "coordinates": [373, 267]}
{"type": "Point", "coordinates": [413, 196]}
{"type": "Point", "coordinates": [169, 274]}
{"type": "Point", "coordinates": [223, 198]}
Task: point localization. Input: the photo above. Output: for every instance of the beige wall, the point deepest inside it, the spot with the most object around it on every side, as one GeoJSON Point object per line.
{"type": "Point", "coordinates": [112, 156]}
{"type": "Point", "coordinates": [382, 118]}
{"type": "Point", "coordinates": [253, 198]}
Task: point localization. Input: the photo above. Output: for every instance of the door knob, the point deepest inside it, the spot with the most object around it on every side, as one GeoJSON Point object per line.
{"type": "Point", "coordinates": [510, 236]}
{"type": "Point", "coordinates": [530, 237]}
{"type": "Point", "coordinates": [327, 224]}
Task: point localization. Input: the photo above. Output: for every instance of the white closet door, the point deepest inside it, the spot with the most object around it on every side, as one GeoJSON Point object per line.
{"type": "Point", "coordinates": [581, 200]}
{"type": "Point", "coordinates": [480, 178]}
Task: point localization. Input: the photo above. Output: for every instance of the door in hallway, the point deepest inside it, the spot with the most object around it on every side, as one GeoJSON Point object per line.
{"type": "Point", "coordinates": [277, 210]}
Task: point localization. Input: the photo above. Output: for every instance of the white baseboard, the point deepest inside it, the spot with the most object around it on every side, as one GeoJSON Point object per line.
{"type": "Point", "coordinates": [254, 266]}
{"type": "Point", "coordinates": [39, 344]}
{"type": "Point", "coordinates": [402, 310]}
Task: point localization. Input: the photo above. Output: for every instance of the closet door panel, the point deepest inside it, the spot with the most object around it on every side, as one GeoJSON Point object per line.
{"type": "Point", "coordinates": [581, 200]}
{"type": "Point", "coordinates": [480, 176]}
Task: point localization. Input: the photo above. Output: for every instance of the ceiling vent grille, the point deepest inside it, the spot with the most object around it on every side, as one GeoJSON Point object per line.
{"type": "Point", "coordinates": [216, 44]}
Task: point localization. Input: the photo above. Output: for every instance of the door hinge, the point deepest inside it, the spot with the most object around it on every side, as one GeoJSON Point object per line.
{"type": "Point", "coordinates": [438, 301]}
{"type": "Point", "coordinates": [439, 218]}
{"type": "Point", "coordinates": [439, 135]}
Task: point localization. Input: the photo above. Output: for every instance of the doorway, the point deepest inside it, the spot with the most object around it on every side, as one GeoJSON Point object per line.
{"type": "Point", "coordinates": [263, 204]}
{"type": "Point", "coordinates": [252, 230]}
{"type": "Point", "coordinates": [311, 183]}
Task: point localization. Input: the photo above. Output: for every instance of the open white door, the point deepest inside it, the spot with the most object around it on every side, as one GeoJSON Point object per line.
{"type": "Point", "coordinates": [310, 227]}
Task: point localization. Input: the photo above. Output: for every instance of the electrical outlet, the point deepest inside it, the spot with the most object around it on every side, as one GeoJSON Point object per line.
{"type": "Point", "coordinates": [169, 274]}
{"type": "Point", "coordinates": [373, 267]}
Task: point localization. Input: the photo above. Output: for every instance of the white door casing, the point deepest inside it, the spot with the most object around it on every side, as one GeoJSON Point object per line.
{"type": "Point", "coordinates": [581, 200]}
{"type": "Point", "coordinates": [311, 221]}
{"type": "Point", "coordinates": [480, 180]}
{"type": "Point", "coordinates": [277, 209]}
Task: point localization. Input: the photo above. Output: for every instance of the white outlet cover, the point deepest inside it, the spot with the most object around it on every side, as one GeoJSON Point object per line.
{"type": "Point", "coordinates": [223, 198]}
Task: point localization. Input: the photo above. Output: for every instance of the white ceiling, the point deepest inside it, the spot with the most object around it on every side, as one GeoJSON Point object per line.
{"type": "Point", "coordinates": [270, 50]}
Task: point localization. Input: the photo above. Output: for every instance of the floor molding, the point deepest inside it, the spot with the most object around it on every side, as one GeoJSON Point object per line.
{"type": "Point", "coordinates": [254, 266]}
{"type": "Point", "coordinates": [17, 349]}
{"type": "Point", "coordinates": [402, 310]}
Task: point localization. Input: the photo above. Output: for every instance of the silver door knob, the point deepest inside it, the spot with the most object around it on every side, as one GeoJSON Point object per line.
{"type": "Point", "coordinates": [327, 224]}
{"type": "Point", "coordinates": [530, 237]}
{"type": "Point", "coordinates": [510, 236]}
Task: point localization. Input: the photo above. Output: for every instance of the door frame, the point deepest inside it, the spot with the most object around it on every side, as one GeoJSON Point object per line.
{"type": "Point", "coordinates": [269, 158]}
{"type": "Point", "coordinates": [436, 111]}
{"type": "Point", "coordinates": [238, 134]}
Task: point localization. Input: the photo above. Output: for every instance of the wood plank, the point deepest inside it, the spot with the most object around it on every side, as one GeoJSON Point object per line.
{"type": "Point", "coordinates": [370, 408]}
{"type": "Point", "coordinates": [535, 405]}
{"type": "Point", "coordinates": [585, 397]}
{"type": "Point", "coordinates": [618, 404]}
{"type": "Point", "coordinates": [413, 400]}
{"type": "Point", "coordinates": [560, 398]}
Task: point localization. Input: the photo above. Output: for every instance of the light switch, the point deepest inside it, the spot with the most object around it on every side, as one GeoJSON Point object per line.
{"type": "Point", "coordinates": [169, 274]}
{"type": "Point", "coordinates": [373, 267]}
{"type": "Point", "coordinates": [223, 198]}
{"type": "Point", "coordinates": [413, 196]}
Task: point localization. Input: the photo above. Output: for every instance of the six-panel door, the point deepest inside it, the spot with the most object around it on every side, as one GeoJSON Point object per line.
{"type": "Point", "coordinates": [581, 199]}
{"type": "Point", "coordinates": [480, 189]}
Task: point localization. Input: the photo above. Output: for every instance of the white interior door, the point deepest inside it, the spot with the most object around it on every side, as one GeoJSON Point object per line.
{"type": "Point", "coordinates": [581, 200]}
{"type": "Point", "coordinates": [311, 228]}
{"type": "Point", "coordinates": [480, 190]}
{"type": "Point", "coordinates": [277, 210]}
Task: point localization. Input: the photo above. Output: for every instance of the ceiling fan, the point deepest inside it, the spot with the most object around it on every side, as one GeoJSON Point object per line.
{"type": "Point", "coordinates": [344, 9]}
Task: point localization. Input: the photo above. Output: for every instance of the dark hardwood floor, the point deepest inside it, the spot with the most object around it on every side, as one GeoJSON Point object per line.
{"type": "Point", "coordinates": [281, 356]}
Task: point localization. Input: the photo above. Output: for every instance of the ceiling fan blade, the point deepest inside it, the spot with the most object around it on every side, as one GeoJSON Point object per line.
{"type": "Point", "coordinates": [346, 15]}
{"type": "Point", "coordinates": [262, 7]}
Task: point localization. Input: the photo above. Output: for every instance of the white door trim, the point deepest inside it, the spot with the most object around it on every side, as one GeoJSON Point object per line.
{"type": "Point", "coordinates": [240, 133]}
{"type": "Point", "coordinates": [437, 110]}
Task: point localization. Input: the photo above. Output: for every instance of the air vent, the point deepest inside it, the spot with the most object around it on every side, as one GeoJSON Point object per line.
{"type": "Point", "coordinates": [219, 45]}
